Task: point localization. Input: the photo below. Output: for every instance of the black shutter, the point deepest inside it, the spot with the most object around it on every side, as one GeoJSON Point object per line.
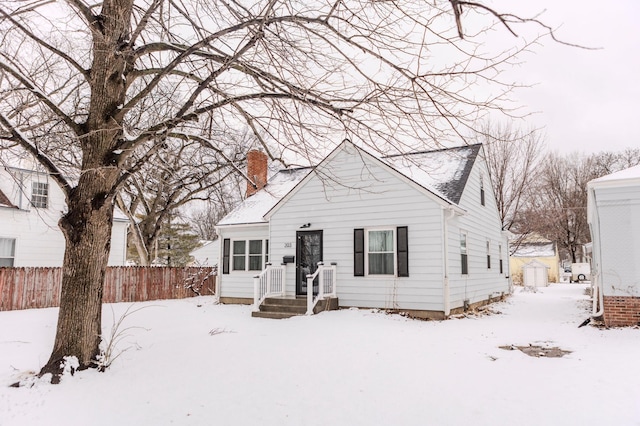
{"type": "Point", "coordinates": [403, 251]}
{"type": "Point", "coordinates": [358, 252]}
{"type": "Point", "coordinates": [226, 249]}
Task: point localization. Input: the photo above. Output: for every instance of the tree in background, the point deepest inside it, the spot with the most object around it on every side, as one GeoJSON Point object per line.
{"type": "Point", "coordinates": [222, 199]}
{"type": "Point", "coordinates": [558, 208]}
{"type": "Point", "coordinates": [513, 158]}
{"type": "Point", "coordinates": [175, 244]}
{"type": "Point", "coordinates": [173, 178]}
{"type": "Point", "coordinates": [116, 80]}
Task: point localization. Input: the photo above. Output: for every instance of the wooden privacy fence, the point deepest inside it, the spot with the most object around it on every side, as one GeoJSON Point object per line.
{"type": "Point", "coordinates": [27, 288]}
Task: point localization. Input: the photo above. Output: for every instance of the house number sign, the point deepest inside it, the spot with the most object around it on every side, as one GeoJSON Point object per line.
{"type": "Point", "coordinates": [287, 245]}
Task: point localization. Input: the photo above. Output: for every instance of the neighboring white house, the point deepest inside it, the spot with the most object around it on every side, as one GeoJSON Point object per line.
{"type": "Point", "coordinates": [418, 233]}
{"type": "Point", "coordinates": [31, 203]}
{"type": "Point", "coordinates": [207, 254]}
{"type": "Point", "coordinates": [613, 210]}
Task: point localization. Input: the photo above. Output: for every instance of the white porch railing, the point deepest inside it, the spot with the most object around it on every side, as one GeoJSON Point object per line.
{"type": "Point", "coordinates": [326, 285]}
{"type": "Point", "coordinates": [270, 282]}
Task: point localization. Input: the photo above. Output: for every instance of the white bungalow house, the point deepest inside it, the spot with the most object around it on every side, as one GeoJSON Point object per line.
{"type": "Point", "coordinates": [613, 211]}
{"type": "Point", "coordinates": [417, 233]}
{"type": "Point", "coordinates": [31, 203]}
{"type": "Point", "coordinates": [207, 254]}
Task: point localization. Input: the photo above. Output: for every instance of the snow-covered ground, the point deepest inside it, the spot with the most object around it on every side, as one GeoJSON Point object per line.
{"type": "Point", "coordinates": [190, 362]}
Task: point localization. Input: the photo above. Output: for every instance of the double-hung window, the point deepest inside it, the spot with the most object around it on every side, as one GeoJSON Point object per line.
{"type": "Point", "coordinates": [464, 262]}
{"type": "Point", "coordinates": [488, 255]}
{"type": "Point", "coordinates": [244, 255]}
{"type": "Point", "coordinates": [39, 194]}
{"type": "Point", "coordinates": [7, 251]}
{"type": "Point", "coordinates": [381, 252]}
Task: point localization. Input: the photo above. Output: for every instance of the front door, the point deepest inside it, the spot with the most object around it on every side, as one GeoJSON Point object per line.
{"type": "Point", "coordinates": [308, 254]}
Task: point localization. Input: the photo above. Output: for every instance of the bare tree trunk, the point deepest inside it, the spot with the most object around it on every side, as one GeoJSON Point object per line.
{"type": "Point", "coordinates": [87, 230]}
{"type": "Point", "coordinates": [88, 222]}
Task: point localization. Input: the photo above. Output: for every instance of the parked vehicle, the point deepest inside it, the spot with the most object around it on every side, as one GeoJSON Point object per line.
{"type": "Point", "coordinates": [580, 272]}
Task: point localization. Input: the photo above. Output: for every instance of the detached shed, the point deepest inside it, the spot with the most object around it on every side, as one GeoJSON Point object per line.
{"type": "Point", "coordinates": [613, 211]}
{"type": "Point", "coordinates": [535, 274]}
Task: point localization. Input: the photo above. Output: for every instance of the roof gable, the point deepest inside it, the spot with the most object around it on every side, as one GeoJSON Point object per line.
{"type": "Point", "coordinates": [5, 202]}
{"type": "Point", "coordinates": [441, 174]}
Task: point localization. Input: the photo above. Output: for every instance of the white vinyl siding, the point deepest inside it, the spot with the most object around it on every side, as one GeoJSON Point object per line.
{"type": "Point", "coordinates": [482, 226]}
{"type": "Point", "coordinates": [613, 211]}
{"type": "Point", "coordinates": [349, 195]}
{"type": "Point", "coordinates": [239, 283]}
{"type": "Point", "coordinates": [39, 241]}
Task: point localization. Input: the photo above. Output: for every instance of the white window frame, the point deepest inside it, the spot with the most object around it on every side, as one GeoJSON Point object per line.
{"type": "Point", "coordinates": [393, 253]}
{"type": "Point", "coordinates": [264, 254]}
{"type": "Point", "coordinates": [39, 194]}
{"type": "Point", "coordinates": [12, 256]}
{"type": "Point", "coordinates": [488, 254]}
{"type": "Point", "coordinates": [464, 236]}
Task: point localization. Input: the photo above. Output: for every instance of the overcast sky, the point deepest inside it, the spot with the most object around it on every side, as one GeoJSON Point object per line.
{"type": "Point", "coordinates": [587, 100]}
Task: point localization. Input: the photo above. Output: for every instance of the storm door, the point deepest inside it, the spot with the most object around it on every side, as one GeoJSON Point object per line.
{"type": "Point", "coordinates": [308, 254]}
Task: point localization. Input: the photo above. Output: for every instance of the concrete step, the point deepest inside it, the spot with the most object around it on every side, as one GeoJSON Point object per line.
{"type": "Point", "coordinates": [278, 308]}
{"type": "Point", "coordinates": [272, 315]}
{"type": "Point", "coordinates": [285, 301]}
{"type": "Point", "coordinates": [294, 309]}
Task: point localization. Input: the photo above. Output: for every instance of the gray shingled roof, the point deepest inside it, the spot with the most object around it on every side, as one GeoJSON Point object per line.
{"type": "Point", "coordinates": [444, 170]}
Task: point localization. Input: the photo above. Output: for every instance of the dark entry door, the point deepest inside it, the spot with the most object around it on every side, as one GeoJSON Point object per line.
{"type": "Point", "coordinates": [308, 254]}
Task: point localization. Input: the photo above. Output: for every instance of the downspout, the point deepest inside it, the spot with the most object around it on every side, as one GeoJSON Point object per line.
{"type": "Point", "coordinates": [446, 289]}
{"type": "Point", "coordinates": [216, 295]}
{"type": "Point", "coordinates": [597, 282]}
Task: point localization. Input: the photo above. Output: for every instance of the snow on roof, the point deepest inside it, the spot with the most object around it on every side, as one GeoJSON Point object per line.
{"type": "Point", "coordinates": [630, 173]}
{"type": "Point", "coordinates": [253, 209]}
{"type": "Point", "coordinates": [535, 250]}
{"type": "Point", "coordinates": [444, 171]}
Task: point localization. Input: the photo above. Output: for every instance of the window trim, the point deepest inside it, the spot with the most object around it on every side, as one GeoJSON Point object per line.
{"type": "Point", "coordinates": [12, 257]}
{"type": "Point", "coordinates": [39, 194]}
{"type": "Point", "coordinates": [393, 252]}
{"type": "Point", "coordinates": [400, 252]}
{"type": "Point", "coordinates": [464, 256]}
{"type": "Point", "coordinates": [500, 263]}
{"type": "Point", "coordinates": [488, 254]}
{"type": "Point", "coordinates": [482, 197]}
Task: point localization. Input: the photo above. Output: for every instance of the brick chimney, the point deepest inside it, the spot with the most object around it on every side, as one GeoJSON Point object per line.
{"type": "Point", "coordinates": [257, 162]}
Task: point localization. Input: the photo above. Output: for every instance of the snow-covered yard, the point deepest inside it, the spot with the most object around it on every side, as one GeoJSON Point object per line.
{"type": "Point", "coordinates": [190, 362]}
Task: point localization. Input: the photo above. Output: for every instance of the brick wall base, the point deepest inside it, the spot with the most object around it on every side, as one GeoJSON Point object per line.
{"type": "Point", "coordinates": [620, 311]}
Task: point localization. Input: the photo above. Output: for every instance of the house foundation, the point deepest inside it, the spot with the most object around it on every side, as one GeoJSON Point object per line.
{"type": "Point", "coordinates": [620, 311]}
